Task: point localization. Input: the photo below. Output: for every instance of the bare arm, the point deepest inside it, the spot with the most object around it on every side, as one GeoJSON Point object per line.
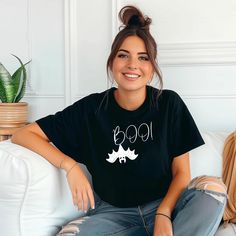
{"type": "Point", "coordinates": [181, 178]}
{"type": "Point", "coordinates": [33, 138]}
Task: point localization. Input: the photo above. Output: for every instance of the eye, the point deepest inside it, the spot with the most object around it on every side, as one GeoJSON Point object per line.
{"type": "Point", "coordinates": [144, 58]}
{"type": "Point", "coordinates": [122, 55]}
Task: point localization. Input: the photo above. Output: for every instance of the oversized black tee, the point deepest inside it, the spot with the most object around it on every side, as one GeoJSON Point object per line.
{"type": "Point", "coordinates": [128, 153]}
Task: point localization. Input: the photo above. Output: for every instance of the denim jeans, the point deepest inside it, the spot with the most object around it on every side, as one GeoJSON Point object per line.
{"type": "Point", "coordinates": [198, 212]}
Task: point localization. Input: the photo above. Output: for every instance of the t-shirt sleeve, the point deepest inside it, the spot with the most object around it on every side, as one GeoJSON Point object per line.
{"type": "Point", "coordinates": [65, 129]}
{"type": "Point", "coordinates": [184, 134]}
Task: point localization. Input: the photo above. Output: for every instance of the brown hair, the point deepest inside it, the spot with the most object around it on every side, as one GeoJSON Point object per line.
{"type": "Point", "coordinates": [135, 24]}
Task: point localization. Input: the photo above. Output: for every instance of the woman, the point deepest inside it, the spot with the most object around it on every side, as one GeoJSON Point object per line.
{"type": "Point", "coordinates": [134, 140]}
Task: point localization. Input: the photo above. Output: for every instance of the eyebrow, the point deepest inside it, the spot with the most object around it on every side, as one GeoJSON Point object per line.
{"type": "Point", "coordinates": [123, 50]}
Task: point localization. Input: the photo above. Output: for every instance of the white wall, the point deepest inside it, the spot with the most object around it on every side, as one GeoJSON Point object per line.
{"type": "Point", "coordinates": [69, 41]}
{"type": "Point", "coordinates": [34, 29]}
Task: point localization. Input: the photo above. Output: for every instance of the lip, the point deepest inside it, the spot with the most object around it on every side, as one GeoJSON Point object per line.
{"type": "Point", "coordinates": [131, 78]}
{"type": "Point", "coordinates": [130, 72]}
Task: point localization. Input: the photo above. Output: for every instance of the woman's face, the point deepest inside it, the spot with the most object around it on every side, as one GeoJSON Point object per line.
{"type": "Point", "coordinates": [131, 66]}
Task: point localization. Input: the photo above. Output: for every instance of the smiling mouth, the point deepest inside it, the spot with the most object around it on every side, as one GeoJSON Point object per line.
{"type": "Point", "coordinates": [131, 76]}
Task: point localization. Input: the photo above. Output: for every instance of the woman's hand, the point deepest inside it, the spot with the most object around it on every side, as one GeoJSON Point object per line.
{"type": "Point", "coordinates": [80, 187]}
{"type": "Point", "coordinates": [163, 226]}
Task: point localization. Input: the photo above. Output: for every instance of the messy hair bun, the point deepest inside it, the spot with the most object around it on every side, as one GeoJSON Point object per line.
{"type": "Point", "coordinates": [132, 17]}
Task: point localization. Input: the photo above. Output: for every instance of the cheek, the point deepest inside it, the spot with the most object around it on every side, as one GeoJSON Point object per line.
{"type": "Point", "coordinates": [149, 70]}
{"type": "Point", "coordinates": [116, 66]}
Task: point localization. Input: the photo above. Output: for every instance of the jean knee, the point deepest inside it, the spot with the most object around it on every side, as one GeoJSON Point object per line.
{"type": "Point", "coordinates": [211, 185]}
{"type": "Point", "coordinates": [72, 228]}
{"type": "Point", "coordinates": [207, 182]}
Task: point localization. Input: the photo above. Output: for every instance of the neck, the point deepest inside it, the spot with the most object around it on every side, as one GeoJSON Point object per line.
{"type": "Point", "coordinates": [130, 100]}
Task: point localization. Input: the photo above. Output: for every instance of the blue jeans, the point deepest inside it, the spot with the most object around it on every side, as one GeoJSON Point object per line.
{"type": "Point", "coordinates": [198, 212]}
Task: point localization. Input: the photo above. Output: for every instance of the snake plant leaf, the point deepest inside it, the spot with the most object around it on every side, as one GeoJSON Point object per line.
{"type": "Point", "coordinates": [19, 80]}
{"type": "Point", "coordinates": [6, 86]}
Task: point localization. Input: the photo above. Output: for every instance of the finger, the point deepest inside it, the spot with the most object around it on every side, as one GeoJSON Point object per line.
{"type": "Point", "coordinates": [85, 201]}
{"type": "Point", "coordinates": [91, 198]}
{"type": "Point", "coordinates": [74, 196]}
{"type": "Point", "coordinates": [79, 200]}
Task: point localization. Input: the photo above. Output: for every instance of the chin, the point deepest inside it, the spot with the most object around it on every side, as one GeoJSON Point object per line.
{"type": "Point", "coordinates": [132, 87]}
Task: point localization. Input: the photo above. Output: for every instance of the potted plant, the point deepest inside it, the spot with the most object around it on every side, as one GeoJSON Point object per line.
{"type": "Point", "coordinates": [13, 113]}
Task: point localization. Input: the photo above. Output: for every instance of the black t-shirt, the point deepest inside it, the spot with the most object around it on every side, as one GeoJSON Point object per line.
{"type": "Point", "coordinates": [128, 153]}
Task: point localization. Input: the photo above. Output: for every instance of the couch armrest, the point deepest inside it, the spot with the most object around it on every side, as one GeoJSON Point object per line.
{"type": "Point", "coordinates": [34, 195]}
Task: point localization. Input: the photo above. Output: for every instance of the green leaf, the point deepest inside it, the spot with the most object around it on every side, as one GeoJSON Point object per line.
{"type": "Point", "coordinates": [6, 86]}
{"type": "Point", "coordinates": [19, 80]}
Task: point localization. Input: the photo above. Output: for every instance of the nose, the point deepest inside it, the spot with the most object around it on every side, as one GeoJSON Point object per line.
{"type": "Point", "coordinates": [132, 64]}
{"type": "Point", "coordinates": [132, 67]}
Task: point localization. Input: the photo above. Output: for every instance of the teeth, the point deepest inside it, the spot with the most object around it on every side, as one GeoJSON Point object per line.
{"type": "Point", "coordinates": [132, 75]}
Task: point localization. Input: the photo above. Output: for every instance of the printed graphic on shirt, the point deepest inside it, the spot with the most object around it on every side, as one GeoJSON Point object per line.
{"type": "Point", "coordinates": [131, 133]}
{"type": "Point", "coordinates": [121, 154]}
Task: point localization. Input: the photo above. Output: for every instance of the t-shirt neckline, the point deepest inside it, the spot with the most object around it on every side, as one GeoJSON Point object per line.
{"type": "Point", "coordinates": [117, 108]}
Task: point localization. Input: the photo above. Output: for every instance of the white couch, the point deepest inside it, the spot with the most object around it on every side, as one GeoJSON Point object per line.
{"type": "Point", "coordinates": [35, 199]}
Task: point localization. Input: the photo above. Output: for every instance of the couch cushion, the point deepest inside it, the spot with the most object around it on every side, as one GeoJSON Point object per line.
{"type": "Point", "coordinates": [35, 199]}
{"type": "Point", "coordinates": [230, 230]}
{"type": "Point", "coordinates": [207, 159]}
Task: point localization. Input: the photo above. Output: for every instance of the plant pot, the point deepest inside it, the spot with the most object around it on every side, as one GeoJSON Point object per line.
{"type": "Point", "coordinates": [13, 114]}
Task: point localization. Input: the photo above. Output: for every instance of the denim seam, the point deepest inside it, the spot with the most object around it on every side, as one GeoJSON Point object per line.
{"type": "Point", "coordinates": [144, 224]}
